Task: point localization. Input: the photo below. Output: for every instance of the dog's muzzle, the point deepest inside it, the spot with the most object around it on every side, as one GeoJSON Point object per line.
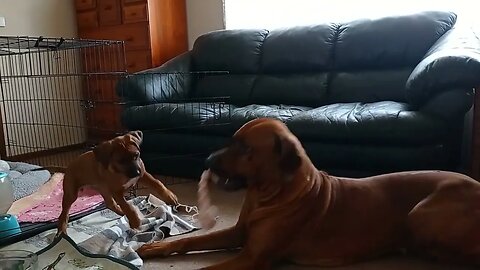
{"type": "Point", "coordinates": [134, 172]}
{"type": "Point", "coordinates": [212, 161]}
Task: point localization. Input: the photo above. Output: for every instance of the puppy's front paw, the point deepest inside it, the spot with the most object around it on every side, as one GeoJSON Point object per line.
{"type": "Point", "coordinates": [62, 228]}
{"type": "Point", "coordinates": [60, 233]}
{"type": "Point", "coordinates": [134, 222]}
{"type": "Point", "coordinates": [155, 249]}
{"type": "Point", "coordinates": [170, 198]}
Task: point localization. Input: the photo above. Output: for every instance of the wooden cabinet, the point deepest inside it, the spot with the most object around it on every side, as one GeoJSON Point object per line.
{"type": "Point", "coordinates": [157, 28]}
{"type": "Point", "coordinates": [154, 31]}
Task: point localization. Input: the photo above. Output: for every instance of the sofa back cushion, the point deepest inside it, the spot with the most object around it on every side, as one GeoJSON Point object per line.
{"type": "Point", "coordinates": [236, 52]}
{"type": "Point", "coordinates": [373, 58]}
{"type": "Point", "coordinates": [358, 61]}
{"type": "Point", "coordinates": [294, 66]}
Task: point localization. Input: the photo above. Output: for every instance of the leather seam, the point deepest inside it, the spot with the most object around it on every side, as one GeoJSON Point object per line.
{"type": "Point", "coordinates": [330, 73]}
{"type": "Point", "coordinates": [260, 67]}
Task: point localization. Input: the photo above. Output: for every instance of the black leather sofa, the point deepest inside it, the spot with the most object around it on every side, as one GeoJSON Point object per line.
{"type": "Point", "coordinates": [364, 97]}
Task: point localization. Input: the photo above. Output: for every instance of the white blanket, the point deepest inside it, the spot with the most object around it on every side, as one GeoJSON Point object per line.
{"type": "Point", "coordinates": [107, 235]}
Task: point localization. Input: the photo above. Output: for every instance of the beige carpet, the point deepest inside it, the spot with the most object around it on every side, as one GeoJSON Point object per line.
{"type": "Point", "coordinates": [229, 204]}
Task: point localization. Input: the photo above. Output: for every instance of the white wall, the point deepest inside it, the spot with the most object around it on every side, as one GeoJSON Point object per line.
{"type": "Point", "coordinates": [36, 111]}
{"type": "Point", "coordinates": [203, 16]}
{"type": "Point", "coordinates": [306, 12]}
{"type": "Point", "coordinates": [40, 112]}
{"type": "Point", "coordinates": [39, 17]}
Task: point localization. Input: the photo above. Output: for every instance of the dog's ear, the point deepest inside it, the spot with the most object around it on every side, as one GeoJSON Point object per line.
{"type": "Point", "coordinates": [286, 149]}
{"type": "Point", "coordinates": [137, 137]}
{"type": "Point", "coordinates": [103, 153]}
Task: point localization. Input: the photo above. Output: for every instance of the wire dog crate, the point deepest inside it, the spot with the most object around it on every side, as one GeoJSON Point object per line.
{"type": "Point", "coordinates": [61, 97]}
{"type": "Point", "coordinates": [50, 96]}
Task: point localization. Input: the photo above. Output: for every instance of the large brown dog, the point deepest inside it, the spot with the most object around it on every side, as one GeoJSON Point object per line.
{"type": "Point", "coordinates": [293, 212]}
{"type": "Point", "coordinates": [111, 168]}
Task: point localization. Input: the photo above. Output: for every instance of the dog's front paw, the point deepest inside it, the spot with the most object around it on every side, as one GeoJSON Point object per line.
{"type": "Point", "coordinates": [62, 228]}
{"type": "Point", "coordinates": [134, 222]}
{"type": "Point", "coordinates": [156, 249]}
{"type": "Point", "coordinates": [170, 198]}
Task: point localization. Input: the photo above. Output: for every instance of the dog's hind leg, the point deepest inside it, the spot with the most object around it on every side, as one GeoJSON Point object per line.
{"type": "Point", "coordinates": [445, 225]}
{"type": "Point", "coordinates": [70, 194]}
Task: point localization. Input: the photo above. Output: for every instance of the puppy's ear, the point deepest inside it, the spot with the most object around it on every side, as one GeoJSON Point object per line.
{"type": "Point", "coordinates": [286, 149]}
{"type": "Point", "coordinates": [103, 152]}
{"type": "Point", "coordinates": [137, 136]}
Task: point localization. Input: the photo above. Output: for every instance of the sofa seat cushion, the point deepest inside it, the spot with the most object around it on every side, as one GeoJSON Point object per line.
{"type": "Point", "coordinates": [241, 115]}
{"type": "Point", "coordinates": [174, 116]}
{"type": "Point", "coordinates": [379, 122]}
{"type": "Point", "coordinates": [202, 117]}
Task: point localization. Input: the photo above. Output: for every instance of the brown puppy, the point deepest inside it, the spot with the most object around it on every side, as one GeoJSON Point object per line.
{"type": "Point", "coordinates": [111, 168]}
{"type": "Point", "coordinates": [296, 213]}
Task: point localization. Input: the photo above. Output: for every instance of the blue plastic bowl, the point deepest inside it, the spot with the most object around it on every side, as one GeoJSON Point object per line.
{"type": "Point", "coordinates": [8, 226]}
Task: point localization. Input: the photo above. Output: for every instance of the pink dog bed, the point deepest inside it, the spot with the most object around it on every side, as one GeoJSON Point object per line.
{"type": "Point", "coordinates": [49, 210]}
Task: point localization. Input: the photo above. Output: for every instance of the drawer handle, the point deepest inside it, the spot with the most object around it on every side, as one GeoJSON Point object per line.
{"type": "Point", "coordinates": [129, 39]}
{"type": "Point", "coordinates": [133, 14]}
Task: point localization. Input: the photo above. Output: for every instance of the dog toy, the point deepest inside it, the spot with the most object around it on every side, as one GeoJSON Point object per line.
{"type": "Point", "coordinates": [207, 212]}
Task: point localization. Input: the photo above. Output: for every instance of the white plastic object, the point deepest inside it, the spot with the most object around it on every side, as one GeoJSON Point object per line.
{"type": "Point", "coordinates": [208, 212]}
{"type": "Point", "coordinates": [6, 193]}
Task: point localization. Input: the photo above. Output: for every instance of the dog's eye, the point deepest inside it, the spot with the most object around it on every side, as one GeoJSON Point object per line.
{"type": "Point", "coordinates": [136, 156]}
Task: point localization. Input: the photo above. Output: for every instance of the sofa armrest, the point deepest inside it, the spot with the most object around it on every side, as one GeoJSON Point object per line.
{"type": "Point", "coordinates": [450, 105]}
{"type": "Point", "coordinates": [452, 62]}
{"type": "Point", "coordinates": [168, 82]}
{"type": "Point", "coordinates": [474, 168]}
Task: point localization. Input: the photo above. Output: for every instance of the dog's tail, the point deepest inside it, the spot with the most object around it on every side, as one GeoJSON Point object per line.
{"type": "Point", "coordinates": [51, 169]}
{"type": "Point", "coordinates": [207, 212]}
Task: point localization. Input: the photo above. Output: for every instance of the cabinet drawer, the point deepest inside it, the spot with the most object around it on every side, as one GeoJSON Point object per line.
{"type": "Point", "coordinates": [135, 13]}
{"type": "Point", "coordinates": [138, 60]}
{"type": "Point", "coordinates": [134, 1]}
{"type": "Point", "coordinates": [109, 12]}
{"type": "Point", "coordinates": [87, 19]}
{"type": "Point", "coordinates": [136, 35]}
{"type": "Point", "coordinates": [84, 4]}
